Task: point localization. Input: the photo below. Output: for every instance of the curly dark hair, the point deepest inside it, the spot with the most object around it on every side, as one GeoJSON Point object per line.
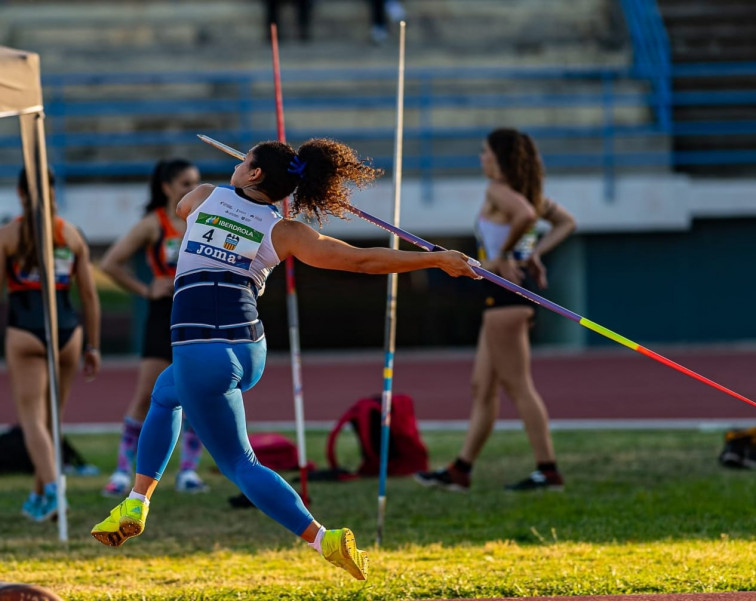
{"type": "Point", "coordinates": [520, 163]}
{"type": "Point", "coordinates": [322, 187]}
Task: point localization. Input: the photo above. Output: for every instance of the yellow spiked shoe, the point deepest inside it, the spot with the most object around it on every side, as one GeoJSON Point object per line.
{"type": "Point", "coordinates": [124, 522]}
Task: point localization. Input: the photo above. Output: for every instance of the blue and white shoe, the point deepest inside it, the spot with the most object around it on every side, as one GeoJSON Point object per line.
{"type": "Point", "coordinates": [30, 508]}
{"type": "Point", "coordinates": [85, 469]}
{"type": "Point", "coordinates": [47, 508]}
{"type": "Point", "coordinates": [189, 481]}
{"type": "Point", "coordinates": [118, 485]}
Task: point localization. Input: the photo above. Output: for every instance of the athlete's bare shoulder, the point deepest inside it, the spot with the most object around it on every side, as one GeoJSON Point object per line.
{"type": "Point", "coordinates": [193, 199]}
{"type": "Point", "coordinates": [503, 203]}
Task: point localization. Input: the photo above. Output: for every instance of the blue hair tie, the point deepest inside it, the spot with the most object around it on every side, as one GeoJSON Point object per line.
{"type": "Point", "coordinates": [297, 165]}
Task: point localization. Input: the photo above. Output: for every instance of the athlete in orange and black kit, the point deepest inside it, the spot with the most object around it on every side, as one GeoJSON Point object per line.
{"type": "Point", "coordinates": [159, 234]}
{"type": "Point", "coordinates": [26, 338]}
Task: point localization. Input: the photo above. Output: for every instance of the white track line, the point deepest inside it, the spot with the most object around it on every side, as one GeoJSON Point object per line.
{"type": "Point", "coordinates": [702, 424]}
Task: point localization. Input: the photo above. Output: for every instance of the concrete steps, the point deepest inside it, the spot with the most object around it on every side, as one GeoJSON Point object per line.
{"type": "Point", "coordinates": [140, 35]}
{"type": "Point", "coordinates": [704, 32]}
{"type": "Point", "coordinates": [86, 36]}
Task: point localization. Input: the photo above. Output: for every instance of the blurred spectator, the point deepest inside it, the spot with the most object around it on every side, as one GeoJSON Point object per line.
{"type": "Point", "coordinates": [395, 10]}
{"type": "Point", "coordinates": [304, 17]}
{"type": "Point", "coordinates": [381, 11]}
{"type": "Point", "coordinates": [159, 234]}
{"type": "Point", "coordinates": [508, 246]}
{"type": "Point", "coordinates": [26, 336]}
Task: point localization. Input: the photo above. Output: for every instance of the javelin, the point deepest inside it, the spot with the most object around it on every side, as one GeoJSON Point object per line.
{"type": "Point", "coordinates": [291, 293]}
{"type": "Point", "coordinates": [531, 296]}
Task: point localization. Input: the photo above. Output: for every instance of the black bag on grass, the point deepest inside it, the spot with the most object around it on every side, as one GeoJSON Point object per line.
{"type": "Point", "coordinates": [740, 449]}
{"type": "Point", "coordinates": [15, 460]}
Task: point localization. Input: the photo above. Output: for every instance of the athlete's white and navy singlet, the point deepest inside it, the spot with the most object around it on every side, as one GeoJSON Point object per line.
{"type": "Point", "coordinates": [224, 260]}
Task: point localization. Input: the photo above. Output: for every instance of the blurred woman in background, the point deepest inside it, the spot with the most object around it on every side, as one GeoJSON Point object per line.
{"type": "Point", "coordinates": [26, 337]}
{"type": "Point", "coordinates": [159, 235]}
{"type": "Point", "coordinates": [508, 245]}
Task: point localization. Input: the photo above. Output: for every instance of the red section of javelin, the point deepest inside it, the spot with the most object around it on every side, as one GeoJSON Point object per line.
{"type": "Point", "coordinates": [649, 353]}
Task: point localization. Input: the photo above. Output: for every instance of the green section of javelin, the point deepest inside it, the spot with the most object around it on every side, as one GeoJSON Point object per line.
{"type": "Point", "coordinates": [592, 325]}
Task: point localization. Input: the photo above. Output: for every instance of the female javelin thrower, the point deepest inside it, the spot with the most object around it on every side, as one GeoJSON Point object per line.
{"type": "Point", "coordinates": [234, 239]}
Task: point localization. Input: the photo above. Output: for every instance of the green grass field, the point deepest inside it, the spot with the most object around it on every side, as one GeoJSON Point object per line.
{"type": "Point", "coordinates": [643, 512]}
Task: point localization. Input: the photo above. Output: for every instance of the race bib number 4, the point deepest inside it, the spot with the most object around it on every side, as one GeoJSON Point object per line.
{"type": "Point", "coordinates": [223, 240]}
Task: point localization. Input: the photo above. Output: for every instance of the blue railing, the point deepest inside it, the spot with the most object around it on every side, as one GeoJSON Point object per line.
{"type": "Point", "coordinates": [652, 58]}
{"type": "Point", "coordinates": [238, 107]}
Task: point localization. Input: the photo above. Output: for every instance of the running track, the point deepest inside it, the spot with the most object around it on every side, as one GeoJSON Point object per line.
{"type": "Point", "coordinates": [587, 388]}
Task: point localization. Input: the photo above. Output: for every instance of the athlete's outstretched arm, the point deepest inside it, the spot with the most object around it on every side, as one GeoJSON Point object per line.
{"type": "Point", "coordinates": [294, 238]}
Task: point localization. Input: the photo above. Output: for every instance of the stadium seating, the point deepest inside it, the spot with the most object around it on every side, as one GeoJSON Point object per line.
{"type": "Point", "coordinates": [129, 82]}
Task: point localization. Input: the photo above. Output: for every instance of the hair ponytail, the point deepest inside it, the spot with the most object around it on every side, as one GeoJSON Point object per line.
{"type": "Point", "coordinates": [27, 247]}
{"type": "Point", "coordinates": [318, 175]}
{"type": "Point", "coordinates": [331, 168]}
{"type": "Point", "coordinates": [520, 163]}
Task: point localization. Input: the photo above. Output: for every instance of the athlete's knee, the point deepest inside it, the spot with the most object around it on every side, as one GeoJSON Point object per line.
{"type": "Point", "coordinates": [483, 393]}
{"type": "Point", "coordinates": [518, 386]}
{"type": "Point", "coordinates": [239, 468]}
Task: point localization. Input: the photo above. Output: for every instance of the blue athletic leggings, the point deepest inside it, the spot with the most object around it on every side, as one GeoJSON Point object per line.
{"type": "Point", "coordinates": [206, 380]}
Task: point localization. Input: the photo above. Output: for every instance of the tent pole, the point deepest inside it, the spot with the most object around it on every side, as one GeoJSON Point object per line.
{"type": "Point", "coordinates": [35, 160]}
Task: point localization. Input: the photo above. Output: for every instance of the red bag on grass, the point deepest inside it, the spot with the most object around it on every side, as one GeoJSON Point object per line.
{"type": "Point", "coordinates": [407, 452]}
{"type": "Point", "coordinates": [275, 451]}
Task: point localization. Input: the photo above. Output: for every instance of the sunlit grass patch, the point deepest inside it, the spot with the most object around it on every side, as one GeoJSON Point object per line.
{"type": "Point", "coordinates": [642, 512]}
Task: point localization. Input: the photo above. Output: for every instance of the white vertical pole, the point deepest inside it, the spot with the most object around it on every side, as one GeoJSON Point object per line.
{"type": "Point", "coordinates": [391, 294]}
{"type": "Point", "coordinates": [35, 160]}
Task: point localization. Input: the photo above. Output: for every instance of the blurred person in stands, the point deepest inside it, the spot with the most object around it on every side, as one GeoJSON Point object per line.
{"type": "Point", "coordinates": [381, 11]}
{"type": "Point", "coordinates": [304, 17]}
{"type": "Point", "coordinates": [235, 237]}
{"type": "Point", "coordinates": [26, 337]}
{"type": "Point", "coordinates": [158, 234]}
{"type": "Point", "coordinates": [509, 246]}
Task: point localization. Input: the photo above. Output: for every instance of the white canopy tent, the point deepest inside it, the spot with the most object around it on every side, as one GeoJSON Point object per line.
{"type": "Point", "coordinates": [21, 96]}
